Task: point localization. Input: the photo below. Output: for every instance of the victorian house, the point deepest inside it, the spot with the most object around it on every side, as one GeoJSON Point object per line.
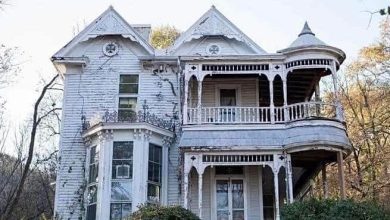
{"type": "Point", "coordinates": [213, 123]}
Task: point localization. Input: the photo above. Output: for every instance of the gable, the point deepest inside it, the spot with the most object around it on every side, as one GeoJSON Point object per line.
{"type": "Point", "coordinates": [202, 46]}
{"type": "Point", "coordinates": [213, 23]}
{"type": "Point", "coordinates": [110, 23]}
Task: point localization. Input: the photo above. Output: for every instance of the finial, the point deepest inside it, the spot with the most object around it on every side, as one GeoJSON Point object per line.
{"type": "Point", "coordinates": [213, 6]}
{"type": "Point", "coordinates": [111, 7]}
{"type": "Point", "coordinates": [306, 30]}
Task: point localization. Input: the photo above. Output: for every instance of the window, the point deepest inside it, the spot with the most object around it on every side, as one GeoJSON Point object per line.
{"type": "Point", "coordinates": [119, 211]}
{"type": "Point", "coordinates": [127, 108]}
{"type": "Point", "coordinates": [154, 173]}
{"type": "Point", "coordinates": [228, 97]}
{"type": "Point", "coordinates": [93, 165]}
{"type": "Point", "coordinates": [122, 160]}
{"type": "Point", "coordinates": [92, 183]}
{"type": "Point", "coordinates": [128, 84]}
{"type": "Point", "coordinates": [128, 91]}
{"type": "Point", "coordinates": [121, 184]}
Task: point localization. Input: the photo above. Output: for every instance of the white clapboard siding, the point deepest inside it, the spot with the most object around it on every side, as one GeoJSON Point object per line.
{"type": "Point", "coordinates": [92, 91]}
{"type": "Point", "coordinates": [247, 86]}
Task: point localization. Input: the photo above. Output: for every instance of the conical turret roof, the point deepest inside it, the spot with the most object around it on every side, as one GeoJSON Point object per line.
{"type": "Point", "coordinates": [306, 38]}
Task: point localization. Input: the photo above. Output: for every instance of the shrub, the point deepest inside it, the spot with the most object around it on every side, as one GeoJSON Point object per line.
{"type": "Point", "coordinates": [334, 210]}
{"type": "Point", "coordinates": [155, 212]}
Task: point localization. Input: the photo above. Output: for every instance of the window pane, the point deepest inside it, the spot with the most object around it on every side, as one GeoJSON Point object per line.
{"type": "Point", "coordinates": [93, 173]}
{"type": "Point", "coordinates": [120, 211]}
{"type": "Point", "coordinates": [128, 88]}
{"type": "Point", "coordinates": [122, 169]}
{"type": "Point", "coordinates": [91, 212]}
{"type": "Point", "coordinates": [222, 194]}
{"type": "Point", "coordinates": [128, 84]}
{"type": "Point", "coordinates": [116, 211]}
{"type": "Point", "coordinates": [123, 150]}
{"type": "Point", "coordinates": [126, 210]}
{"type": "Point", "coordinates": [92, 194]}
{"type": "Point", "coordinates": [128, 102]}
{"type": "Point", "coordinates": [93, 155]}
{"type": "Point", "coordinates": [129, 79]}
{"type": "Point", "coordinates": [121, 191]}
{"type": "Point", "coordinates": [228, 97]}
{"type": "Point", "coordinates": [153, 192]}
{"type": "Point", "coordinates": [127, 115]}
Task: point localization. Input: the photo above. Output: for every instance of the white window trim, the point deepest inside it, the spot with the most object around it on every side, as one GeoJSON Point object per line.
{"type": "Point", "coordinates": [128, 95]}
{"type": "Point", "coordinates": [218, 88]}
{"type": "Point", "coordinates": [164, 173]}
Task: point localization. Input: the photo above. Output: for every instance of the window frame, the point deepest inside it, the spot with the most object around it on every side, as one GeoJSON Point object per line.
{"type": "Point", "coordinates": [94, 183]}
{"type": "Point", "coordinates": [128, 95]}
{"type": "Point", "coordinates": [125, 181]}
{"type": "Point", "coordinates": [220, 87]}
{"type": "Point", "coordinates": [161, 170]}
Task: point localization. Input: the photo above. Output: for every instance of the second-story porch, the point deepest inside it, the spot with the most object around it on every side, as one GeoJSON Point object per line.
{"type": "Point", "coordinates": [258, 92]}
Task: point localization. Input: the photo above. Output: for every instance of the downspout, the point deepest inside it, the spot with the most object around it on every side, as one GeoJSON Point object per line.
{"type": "Point", "coordinates": [178, 77]}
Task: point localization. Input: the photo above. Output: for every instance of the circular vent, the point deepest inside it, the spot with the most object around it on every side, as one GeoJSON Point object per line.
{"type": "Point", "coordinates": [110, 49]}
{"type": "Point", "coordinates": [213, 49]}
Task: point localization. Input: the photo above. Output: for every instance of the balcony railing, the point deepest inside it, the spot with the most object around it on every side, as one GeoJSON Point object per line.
{"type": "Point", "coordinates": [263, 115]}
{"type": "Point", "coordinates": [133, 117]}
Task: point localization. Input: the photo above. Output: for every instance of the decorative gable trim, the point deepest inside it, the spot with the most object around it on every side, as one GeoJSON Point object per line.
{"type": "Point", "coordinates": [110, 22]}
{"type": "Point", "coordinates": [214, 23]}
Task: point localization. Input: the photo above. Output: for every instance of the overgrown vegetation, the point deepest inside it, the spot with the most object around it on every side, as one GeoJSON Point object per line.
{"type": "Point", "coordinates": [162, 37]}
{"type": "Point", "coordinates": [333, 210]}
{"type": "Point", "coordinates": [154, 212]}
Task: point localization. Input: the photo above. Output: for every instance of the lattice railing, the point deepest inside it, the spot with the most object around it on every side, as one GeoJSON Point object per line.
{"type": "Point", "coordinates": [236, 158]}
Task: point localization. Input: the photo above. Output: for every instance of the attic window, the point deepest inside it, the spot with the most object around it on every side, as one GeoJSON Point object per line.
{"type": "Point", "coordinates": [110, 49]}
{"type": "Point", "coordinates": [213, 49]}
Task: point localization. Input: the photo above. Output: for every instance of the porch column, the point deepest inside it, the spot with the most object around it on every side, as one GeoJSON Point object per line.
{"type": "Point", "coordinates": [286, 114]}
{"type": "Point", "coordinates": [340, 163]}
{"type": "Point", "coordinates": [317, 98]}
{"type": "Point", "coordinates": [199, 106]}
{"type": "Point", "coordinates": [289, 184]}
{"type": "Point", "coordinates": [324, 181]}
{"type": "Point", "coordinates": [276, 186]}
{"type": "Point", "coordinates": [339, 111]}
{"type": "Point", "coordinates": [185, 105]}
{"type": "Point", "coordinates": [271, 100]}
{"type": "Point", "coordinates": [200, 193]}
{"type": "Point", "coordinates": [185, 203]}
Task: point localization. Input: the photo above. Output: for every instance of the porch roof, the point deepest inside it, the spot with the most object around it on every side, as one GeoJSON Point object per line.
{"type": "Point", "coordinates": [294, 136]}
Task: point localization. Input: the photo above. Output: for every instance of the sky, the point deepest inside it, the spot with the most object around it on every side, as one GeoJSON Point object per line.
{"type": "Point", "coordinates": [39, 28]}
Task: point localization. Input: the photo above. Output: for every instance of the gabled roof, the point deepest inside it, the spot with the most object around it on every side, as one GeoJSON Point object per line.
{"type": "Point", "coordinates": [214, 23]}
{"type": "Point", "coordinates": [110, 22]}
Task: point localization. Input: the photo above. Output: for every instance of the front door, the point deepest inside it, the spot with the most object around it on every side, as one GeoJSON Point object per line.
{"type": "Point", "coordinates": [230, 199]}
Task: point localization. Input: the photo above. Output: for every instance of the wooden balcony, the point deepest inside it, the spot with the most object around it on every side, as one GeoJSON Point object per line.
{"type": "Point", "coordinates": [263, 115]}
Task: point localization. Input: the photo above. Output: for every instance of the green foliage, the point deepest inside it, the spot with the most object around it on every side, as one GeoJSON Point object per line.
{"type": "Point", "coordinates": [334, 210]}
{"type": "Point", "coordinates": [162, 37]}
{"type": "Point", "coordinates": [155, 212]}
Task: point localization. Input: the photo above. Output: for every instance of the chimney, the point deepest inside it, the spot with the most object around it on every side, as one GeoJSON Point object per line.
{"type": "Point", "coordinates": [143, 30]}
